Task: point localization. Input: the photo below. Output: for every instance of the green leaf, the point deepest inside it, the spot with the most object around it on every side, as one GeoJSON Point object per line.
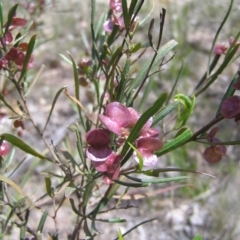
{"type": "Point", "coordinates": [11, 213]}
{"type": "Point", "coordinates": [123, 81]}
{"type": "Point", "coordinates": [16, 187]}
{"type": "Point", "coordinates": [105, 199]}
{"type": "Point", "coordinates": [1, 19]}
{"type": "Point", "coordinates": [75, 128]}
{"type": "Point", "coordinates": [98, 28]}
{"type": "Point", "coordinates": [136, 226]}
{"type": "Point", "coordinates": [155, 172]}
{"type": "Point", "coordinates": [163, 113]}
{"type": "Point", "coordinates": [120, 236]}
{"type": "Point", "coordinates": [67, 60]}
{"type": "Point", "coordinates": [185, 112]}
{"type": "Point", "coordinates": [88, 192]}
{"type": "Point", "coordinates": [115, 55]}
{"type": "Point", "coordinates": [27, 57]}
{"type": "Point", "coordinates": [198, 237]}
{"type": "Point", "coordinates": [34, 81]}
{"type": "Point", "coordinates": [163, 51]}
{"type": "Point", "coordinates": [218, 32]}
{"type": "Point", "coordinates": [75, 210]}
{"type": "Point", "coordinates": [87, 230]}
{"type": "Point", "coordinates": [22, 232]}
{"type": "Point", "coordinates": [48, 184]}
{"type": "Point", "coordinates": [11, 14]}
{"type": "Point", "coordinates": [133, 5]}
{"type": "Point", "coordinates": [175, 84]}
{"type": "Point", "coordinates": [77, 92]}
{"type": "Point", "coordinates": [135, 48]}
{"type": "Point", "coordinates": [141, 121]}
{"type": "Point", "coordinates": [126, 16]}
{"type": "Point", "coordinates": [69, 158]}
{"type": "Point", "coordinates": [22, 145]}
{"type": "Point", "coordinates": [229, 56]}
{"type": "Point", "coordinates": [140, 164]}
{"type": "Point", "coordinates": [148, 182]}
{"type": "Point", "coordinates": [69, 191]}
{"type": "Point", "coordinates": [113, 35]}
{"type": "Point", "coordinates": [52, 107]}
{"type": "Point", "coordinates": [212, 66]}
{"type": "Point", "coordinates": [42, 221]}
{"type": "Point", "coordinates": [112, 220]}
{"type": "Point", "coordinates": [6, 104]}
{"type": "Point", "coordinates": [175, 143]}
{"type": "Point", "coordinates": [146, 93]}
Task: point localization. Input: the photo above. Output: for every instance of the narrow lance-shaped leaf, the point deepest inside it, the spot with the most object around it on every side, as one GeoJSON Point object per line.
{"type": "Point", "coordinates": [175, 143]}
{"type": "Point", "coordinates": [175, 84]}
{"type": "Point", "coordinates": [146, 93]}
{"type": "Point", "coordinates": [148, 182]}
{"type": "Point", "coordinates": [34, 81]}
{"type": "Point", "coordinates": [163, 113]}
{"type": "Point", "coordinates": [112, 220]}
{"type": "Point", "coordinates": [103, 202]}
{"type": "Point", "coordinates": [132, 6]}
{"type": "Point", "coordinates": [120, 236]}
{"type": "Point", "coordinates": [93, 6]}
{"type": "Point", "coordinates": [126, 16]}
{"type": "Point", "coordinates": [218, 31]}
{"type": "Point", "coordinates": [11, 14]}
{"type": "Point", "coordinates": [52, 107]}
{"type": "Point", "coordinates": [140, 159]}
{"type": "Point", "coordinates": [135, 48]}
{"type": "Point", "coordinates": [212, 66]}
{"type": "Point", "coordinates": [75, 128]}
{"type": "Point", "coordinates": [113, 35]}
{"type": "Point", "coordinates": [16, 187]}
{"type": "Point", "coordinates": [76, 86]}
{"type": "Point", "coordinates": [136, 226]}
{"type": "Point", "coordinates": [105, 199]}
{"type": "Point", "coordinates": [48, 184]}
{"type": "Point", "coordinates": [123, 81]}
{"type": "Point", "coordinates": [6, 104]}
{"type": "Point", "coordinates": [22, 145]}
{"type": "Point", "coordinates": [88, 192]}
{"type": "Point", "coordinates": [27, 57]}
{"type": "Point", "coordinates": [15, 206]}
{"type": "Point", "coordinates": [67, 60]}
{"type": "Point", "coordinates": [1, 19]}
{"type": "Point", "coordinates": [42, 221]}
{"type": "Point", "coordinates": [225, 63]}
{"type": "Point", "coordinates": [115, 55]}
{"type": "Point", "coordinates": [155, 172]}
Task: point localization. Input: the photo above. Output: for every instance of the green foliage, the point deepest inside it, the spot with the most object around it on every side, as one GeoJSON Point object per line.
{"type": "Point", "coordinates": [77, 171]}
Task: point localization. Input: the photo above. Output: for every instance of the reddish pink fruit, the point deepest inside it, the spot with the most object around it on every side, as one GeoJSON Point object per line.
{"type": "Point", "coordinates": [231, 107]}
{"type": "Point", "coordinates": [211, 156]}
{"type": "Point", "coordinates": [4, 148]}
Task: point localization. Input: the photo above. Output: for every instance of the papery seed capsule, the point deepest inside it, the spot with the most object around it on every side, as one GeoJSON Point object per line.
{"type": "Point", "coordinates": [211, 156]}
